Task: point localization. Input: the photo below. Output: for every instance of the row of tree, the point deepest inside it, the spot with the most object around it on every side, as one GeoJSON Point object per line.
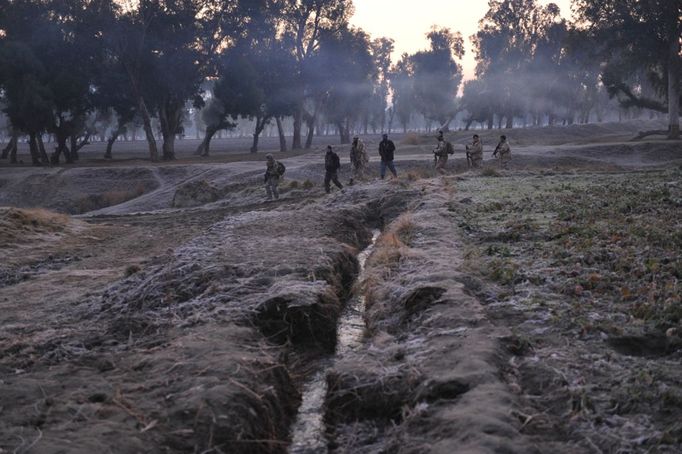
{"type": "Point", "coordinates": [534, 65]}
{"type": "Point", "coordinates": [69, 66]}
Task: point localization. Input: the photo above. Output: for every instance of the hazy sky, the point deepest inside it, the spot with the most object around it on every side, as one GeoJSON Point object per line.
{"type": "Point", "coordinates": [408, 21]}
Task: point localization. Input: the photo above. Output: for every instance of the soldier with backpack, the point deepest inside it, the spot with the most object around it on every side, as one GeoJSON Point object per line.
{"type": "Point", "coordinates": [443, 149]}
{"type": "Point", "coordinates": [273, 173]}
{"type": "Point", "coordinates": [332, 164]}
{"type": "Point", "coordinates": [502, 149]}
{"type": "Point", "coordinates": [358, 160]}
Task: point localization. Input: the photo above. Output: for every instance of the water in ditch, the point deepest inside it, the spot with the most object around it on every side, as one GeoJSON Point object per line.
{"type": "Point", "coordinates": [308, 432]}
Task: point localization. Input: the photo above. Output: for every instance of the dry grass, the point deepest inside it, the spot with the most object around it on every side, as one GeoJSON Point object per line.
{"type": "Point", "coordinates": [294, 184]}
{"type": "Point", "coordinates": [418, 174]}
{"type": "Point", "coordinates": [106, 199]}
{"type": "Point", "coordinates": [18, 223]}
{"type": "Point", "coordinates": [307, 184]}
{"type": "Point", "coordinates": [392, 248]}
{"type": "Point", "coordinates": [490, 172]}
{"type": "Point", "coordinates": [410, 139]}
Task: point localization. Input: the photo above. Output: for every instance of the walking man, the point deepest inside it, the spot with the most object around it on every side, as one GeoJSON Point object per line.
{"type": "Point", "coordinates": [273, 172]}
{"type": "Point", "coordinates": [502, 149]}
{"type": "Point", "coordinates": [475, 152]}
{"type": "Point", "coordinates": [443, 149]}
{"type": "Point", "coordinates": [386, 151]}
{"type": "Point", "coordinates": [332, 164]}
{"type": "Point", "coordinates": [358, 160]}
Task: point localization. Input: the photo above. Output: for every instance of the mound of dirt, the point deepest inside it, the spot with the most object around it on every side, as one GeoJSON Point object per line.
{"type": "Point", "coordinates": [74, 190]}
{"type": "Point", "coordinates": [195, 193]}
{"type": "Point", "coordinates": [22, 225]}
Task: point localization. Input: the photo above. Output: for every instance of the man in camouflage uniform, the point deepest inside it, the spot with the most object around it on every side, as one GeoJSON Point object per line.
{"type": "Point", "coordinates": [272, 176]}
{"type": "Point", "coordinates": [475, 152]}
{"type": "Point", "coordinates": [503, 151]}
{"type": "Point", "coordinates": [358, 160]}
{"type": "Point", "coordinates": [443, 149]}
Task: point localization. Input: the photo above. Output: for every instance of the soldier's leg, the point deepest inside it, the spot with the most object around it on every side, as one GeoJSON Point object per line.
{"type": "Point", "coordinates": [327, 179]}
{"type": "Point", "coordinates": [391, 167]}
{"type": "Point", "coordinates": [382, 169]}
{"type": "Point", "coordinates": [335, 179]}
{"type": "Point", "coordinates": [268, 189]}
{"type": "Point", "coordinates": [275, 189]}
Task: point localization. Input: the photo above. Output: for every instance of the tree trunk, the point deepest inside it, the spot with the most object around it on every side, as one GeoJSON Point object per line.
{"type": "Point", "coordinates": [490, 122]}
{"type": "Point", "coordinates": [110, 141]}
{"type": "Point", "coordinates": [203, 148]}
{"type": "Point", "coordinates": [298, 122]}
{"type": "Point", "coordinates": [33, 148]}
{"type": "Point", "coordinates": [282, 138]}
{"type": "Point", "coordinates": [61, 148]}
{"type": "Point", "coordinates": [310, 121]}
{"type": "Point", "coordinates": [344, 133]}
{"type": "Point", "coordinates": [11, 148]}
{"type": "Point", "coordinates": [260, 125]}
{"type": "Point", "coordinates": [41, 149]}
{"type": "Point", "coordinates": [74, 148]}
{"type": "Point", "coordinates": [148, 131]}
{"type": "Point", "coordinates": [674, 91]}
{"type": "Point", "coordinates": [510, 122]}
{"type": "Point", "coordinates": [170, 114]}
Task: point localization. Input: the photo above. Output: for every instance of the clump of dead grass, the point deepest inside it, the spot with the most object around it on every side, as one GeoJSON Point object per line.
{"type": "Point", "coordinates": [294, 184]}
{"type": "Point", "coordinates": [410, 139]}
{"type": "Point", "coordinates": [391, 249]}
{"type": "Point", "coordinates": [307, 184]}
{"type": "Point", "coordinates": [18, 223]}
{"type": "Point", "coordinates": [490, 172]}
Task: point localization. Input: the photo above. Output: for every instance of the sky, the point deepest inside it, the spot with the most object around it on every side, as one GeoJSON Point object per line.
{"type": "Point", "coordinates": [408, 21]}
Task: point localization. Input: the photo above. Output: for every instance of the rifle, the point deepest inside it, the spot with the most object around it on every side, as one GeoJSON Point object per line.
{"type": "Point", "coordinates": [497, 149]}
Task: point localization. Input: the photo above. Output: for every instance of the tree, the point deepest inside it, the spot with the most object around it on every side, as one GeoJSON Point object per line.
{"type": "Point", "coordinates": [382, 48]}
{"type": "Point", "coordinates": [345, 72]}
{"type": "Point", "coordinates": [634, 34]}
{"type": "Point", "coordinates": [401, 79]}
{"type": "Point", "coordinates": [304, 23]}
{"type": "Point", "coordinates": [436, 76]}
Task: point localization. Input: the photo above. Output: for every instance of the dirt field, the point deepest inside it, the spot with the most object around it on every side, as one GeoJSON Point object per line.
{"type": "Point", "coordinates": [171, 308]}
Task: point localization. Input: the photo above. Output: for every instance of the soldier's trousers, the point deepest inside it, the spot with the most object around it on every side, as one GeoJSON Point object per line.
{"type": "Point", "coordinates": [331, 177]}
{"type": "Point", "coordinates": [391, 167]}
{"type": "Point", "coordinates": [440, 164]}
{"type": "Point", "coordinates": [271, 188]}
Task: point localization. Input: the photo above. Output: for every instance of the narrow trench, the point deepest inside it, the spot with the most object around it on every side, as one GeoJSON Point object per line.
{"type": "Point", "coordinates": [308, 430]}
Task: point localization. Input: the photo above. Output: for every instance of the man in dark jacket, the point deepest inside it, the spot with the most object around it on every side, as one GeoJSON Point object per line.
{"type": "Point", "coordinates": [386, 149]}
{"type": "Point", "coordinates": [332, 164]}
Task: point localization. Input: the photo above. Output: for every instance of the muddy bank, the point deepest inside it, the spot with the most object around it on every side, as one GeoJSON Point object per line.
{"type": "Point", "coordinates": [191, 351]}
{"type": "Point", "coordinates": [428, 377]}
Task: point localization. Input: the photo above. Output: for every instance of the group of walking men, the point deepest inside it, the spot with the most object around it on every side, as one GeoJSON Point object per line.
{"type": "Point", "coordinates": [359, 161]}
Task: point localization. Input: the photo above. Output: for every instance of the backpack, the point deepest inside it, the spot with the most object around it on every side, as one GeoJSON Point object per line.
{"type": "Point", "coordinates": [280, 169]}
{"type": "Point", "coordinates": [449, 148]}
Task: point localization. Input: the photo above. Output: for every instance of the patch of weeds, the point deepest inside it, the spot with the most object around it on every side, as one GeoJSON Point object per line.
{"type": "Point", "coordinates": [503, 271]}
{"type": "Point", "coordinates": [410, 139]}
{"type": "Point", "coordinates": [490, 172]}
{"type": "Point", "coordinates": [307, 184]}
{"type": "Point", "coordinates": [294, 184]}
{"type": "Point", "coordinates": [132, 269]}
{"type": "Point", "coordinates": [499, 250]}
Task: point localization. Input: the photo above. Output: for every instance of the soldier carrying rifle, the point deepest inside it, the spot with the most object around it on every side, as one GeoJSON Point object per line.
{"type": "Point", "coordinates": [440, 154]}
{"type": "Point", "coordinates": [504, 151]}
{"type": "Point", "coordinates": [475, 153]}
